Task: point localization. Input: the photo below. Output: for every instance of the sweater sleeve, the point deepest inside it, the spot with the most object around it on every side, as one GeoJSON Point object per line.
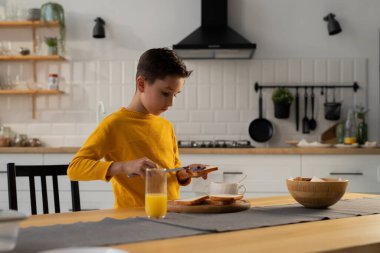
{"type": "Point", "coordinates": [87, 164]}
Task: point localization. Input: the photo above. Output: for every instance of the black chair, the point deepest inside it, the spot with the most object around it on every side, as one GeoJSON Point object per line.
{"type": "Point", "coordinates": [42, 171]}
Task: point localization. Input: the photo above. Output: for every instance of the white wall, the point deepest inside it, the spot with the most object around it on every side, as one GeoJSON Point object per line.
{"type": "Point", "coordinates": [219, 101]}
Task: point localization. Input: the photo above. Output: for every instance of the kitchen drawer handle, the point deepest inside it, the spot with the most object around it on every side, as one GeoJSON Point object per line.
{"type": "Point", "coordinates": [3, 172]}
{"type": "Point", "coordinates": [347, 173]}
{"type": "Point", "coordinates": [232, 173]}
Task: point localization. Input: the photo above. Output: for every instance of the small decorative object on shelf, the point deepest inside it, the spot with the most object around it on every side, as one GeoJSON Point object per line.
{"type": "Point", "coordinates": [34, 14]}
{"type": "Point", "coordinates": [24, 51]}
{"type": "Point", "coordinates": [54, 12]}
{"type": "Point", "coordinates": [282, 99]}
{"type": "Point", "coordinates": [53, 81]}
{"type": "Point", "coordinates": [52, 43]}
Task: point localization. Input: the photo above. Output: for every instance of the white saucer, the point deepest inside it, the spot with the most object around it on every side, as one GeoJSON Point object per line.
{"type": "Point", "coordinates": [320, 145]}
{"type": "Point", "coordinates": [85, 250]}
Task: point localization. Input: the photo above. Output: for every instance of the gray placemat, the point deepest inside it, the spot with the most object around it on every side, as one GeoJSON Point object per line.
{"type": "Point", "coordinates": [111, 231]}
{"type": "Point", "coordinates": [106, 232]}
{"type": "Point", "coordinates": [272, 216]}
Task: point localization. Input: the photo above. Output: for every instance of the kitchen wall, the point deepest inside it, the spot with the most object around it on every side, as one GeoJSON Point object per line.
{"type": "Point", "coordinates": [218, 101]}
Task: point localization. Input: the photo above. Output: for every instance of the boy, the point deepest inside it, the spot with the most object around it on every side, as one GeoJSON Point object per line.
{"type": "Point", "coordinates": [135, 138]}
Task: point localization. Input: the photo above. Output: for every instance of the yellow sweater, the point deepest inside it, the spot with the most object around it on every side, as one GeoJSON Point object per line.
{"type": "Point", "coordinates": [124, 136]}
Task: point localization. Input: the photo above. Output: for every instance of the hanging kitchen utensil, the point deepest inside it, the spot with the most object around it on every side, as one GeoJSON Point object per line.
{"type": "Point", "coordinates": [261, 130]}
{"type": "Point", "coordinates": [332, 109]}
{"type": "Point", "coordinates": [312, 121]}
{"type": "Point", "coordinates": [297, 108]}
{"type": "Point", "coordinates": [305, 120]}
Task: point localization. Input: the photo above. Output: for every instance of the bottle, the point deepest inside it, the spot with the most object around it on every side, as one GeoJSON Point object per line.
{"type": "Point", "coordinates": [339, 132]}
{"type": "Point", "coordinates": [350, 128]}
{"type": "Point", "coordinates": [362, 132]}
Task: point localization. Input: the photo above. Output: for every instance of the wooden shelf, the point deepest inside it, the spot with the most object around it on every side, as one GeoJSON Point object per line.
{"type": "Point", "coordinates": [33, 93]}
{"type": "Point", "coordinates": [13, 24]}
{"type": "Point", "coordinates": [30, 92]}
{"type": "Point", "coordinates": [31, 58]}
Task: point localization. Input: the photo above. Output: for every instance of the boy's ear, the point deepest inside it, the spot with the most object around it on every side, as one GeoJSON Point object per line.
{"type": "Point", "coordinates": [140, 83]}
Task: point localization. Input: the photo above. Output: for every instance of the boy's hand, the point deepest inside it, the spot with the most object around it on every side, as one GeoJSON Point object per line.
{"type": "Point", "coordinates": [183, 175]}
{"type": "Point", "coordinates": [137, 166]}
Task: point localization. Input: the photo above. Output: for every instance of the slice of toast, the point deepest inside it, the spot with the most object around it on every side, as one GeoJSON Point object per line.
{"type": "Point", "coordinates": [200, 172]}
{"type": "Point", "coordinates": [225, 197]}
{"type": "Point", "coordinates": [190, 202]}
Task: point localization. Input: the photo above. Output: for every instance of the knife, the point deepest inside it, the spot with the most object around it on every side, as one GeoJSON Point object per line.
{"type": "Point", "coordinates": [168, 170]}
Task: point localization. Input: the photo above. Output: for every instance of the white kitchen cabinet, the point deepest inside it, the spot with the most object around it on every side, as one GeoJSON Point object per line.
{"type": "Point", "coordinates": [266, 174]}
{"type": "Point", "coordinates": [362, 171]}
{"type": "Point", "coordinates": [22, 183]}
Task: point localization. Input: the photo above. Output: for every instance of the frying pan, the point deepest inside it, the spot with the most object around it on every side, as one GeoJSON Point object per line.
{"type": "Point", "coordinates": [261, 130]}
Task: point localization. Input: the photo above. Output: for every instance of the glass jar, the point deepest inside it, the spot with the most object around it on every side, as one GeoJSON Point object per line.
{"type": "Point", "coordinates": [350, 128]}
{"type": "Point", "coordinates": [5, 136]}
{"type": "Point", "coordinates": [53, 81]}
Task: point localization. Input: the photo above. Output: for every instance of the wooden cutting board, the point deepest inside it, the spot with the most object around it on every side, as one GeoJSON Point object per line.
{"type": "Point", "coordinates": [210, 207]}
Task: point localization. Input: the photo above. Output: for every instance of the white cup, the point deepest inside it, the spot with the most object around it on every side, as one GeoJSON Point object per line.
{"type": "Point", "coordinates": [226, 188]}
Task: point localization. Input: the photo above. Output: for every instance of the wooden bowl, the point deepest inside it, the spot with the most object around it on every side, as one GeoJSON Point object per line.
{"type": "Point", "coordinates": [316, 194]}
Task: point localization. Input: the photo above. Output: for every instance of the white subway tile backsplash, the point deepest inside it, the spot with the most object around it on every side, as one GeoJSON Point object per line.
{"type": "Point", "coordinates": [216, 97]}
{"type": "Point", "coordinates": [333, 71]}
{"type": "Point", "coordinates": [129, 72]}
{"type": "Point", "coordinates": [218, 101]}
{"type": "Point", "coordinates": [229, 96]}
{"type": "Point", "coordinates": [255, 71]}
{"type": "Point", "coordinates": [204, 96]}
{"type": "Point", "coordinates": [39, 129]}
{"type": "Point", "coordinates": [116, 72]}
{"type": "Point", "coordinates": [242, 96]}
{"type": "Point", "coordinates": [78, 71]}
{"type": "Point", "coordinates": [104, 72]}
{"type": "Point", "coordinates": [53, 102]}
{"type": "Point", "coordinates": [307, 71]}
{"type": "Point", "coordinates": [268, 71]}
{"type": "Point", "coordinates": [242, 75]}
{"type": "Point", "coordinates": [60, 129]}
{"type": "Point", "coordinates": [294, 71]}
{"type": "Point", "coordinates": [52, 141]}
{"type": "Point", "coordinates": [90, 69]}
{"type": "Point", "coordinates": [201, 116]}
{"type": "Point", "coordinates": [177, 115]}
{"type": "Point", "coordinates": [281, 71]}
{"type": "Point", "coordinates": [347, 71]}
{"type": "Point", "coordinates": [216, 73]}
{"type": "Point", "coordinates": [191, 93]}
{"type": "Point", "coordinates": [237, 128]}
{"type": "Point", "coordinates": [227, 116]}
{"type": "Point", "coordinates": [84, 129]}
{"type": "Point", "coordinates": [204, 73]}
{"type": "Point", "coordinates": [74, 141]}
{"type": "Point", "coordinates": [320, 69]}
{"type": "Point", "coordinates": [188, 128]}
{"type": "Point", "coordinates": [214, 128]}
{"type": "Point", "coordinates": [229, 73]}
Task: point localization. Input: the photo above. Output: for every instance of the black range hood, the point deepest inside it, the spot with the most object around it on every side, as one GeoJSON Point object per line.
{"type": "Point", "coordinates": [214, 39]}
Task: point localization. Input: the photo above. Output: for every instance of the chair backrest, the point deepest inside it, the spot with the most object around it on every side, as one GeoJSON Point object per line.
{"type": "Point", "coordinates": [42, 171]}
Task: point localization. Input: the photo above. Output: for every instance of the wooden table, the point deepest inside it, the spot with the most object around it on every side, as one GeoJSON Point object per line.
{"type": "Point", "coordinates": [357, 234]}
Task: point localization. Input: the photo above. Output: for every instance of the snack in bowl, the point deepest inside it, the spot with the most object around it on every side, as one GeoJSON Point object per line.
{"type": "Point", "coordinates": [316, 194]}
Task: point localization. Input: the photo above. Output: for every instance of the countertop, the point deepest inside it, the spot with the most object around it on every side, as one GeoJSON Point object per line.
{"type": "Point", "coordinates": [355, 234]}
{"type": "Point", "coordinates": [261, 151]}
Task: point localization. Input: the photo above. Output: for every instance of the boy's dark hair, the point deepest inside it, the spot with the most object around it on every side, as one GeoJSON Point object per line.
{"type": "Point", "coordinates": [157, 63]}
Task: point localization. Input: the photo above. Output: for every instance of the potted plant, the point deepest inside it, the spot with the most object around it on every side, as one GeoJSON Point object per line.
{"type": "Point", "coordinates": [52, 43]}
{"type": "Point", "coordinates": [54, 12]}
{"type": "Point", "coordinates": [282, 99]}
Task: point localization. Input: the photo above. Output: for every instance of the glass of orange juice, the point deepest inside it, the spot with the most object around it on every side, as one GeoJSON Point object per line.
{"type": "Point", "coordinates": [156, 193]}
